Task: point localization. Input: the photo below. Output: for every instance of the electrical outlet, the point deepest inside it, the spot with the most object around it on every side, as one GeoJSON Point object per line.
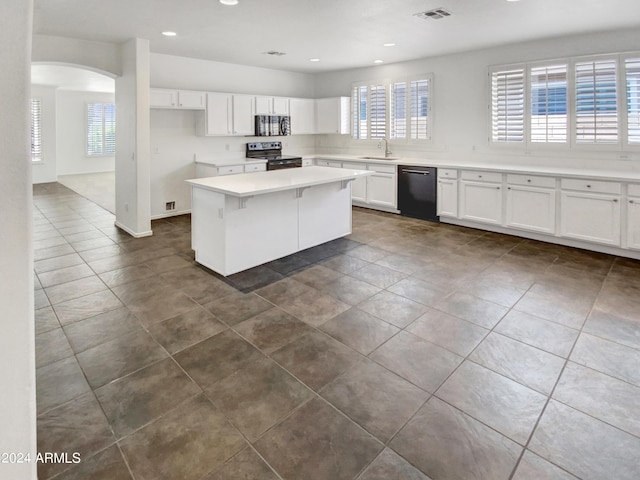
{"type": "Point", "coordinates": [170, 206]}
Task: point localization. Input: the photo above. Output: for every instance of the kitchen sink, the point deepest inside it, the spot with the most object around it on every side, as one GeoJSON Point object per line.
{"type": "Point", "coordinates": [379, 158]}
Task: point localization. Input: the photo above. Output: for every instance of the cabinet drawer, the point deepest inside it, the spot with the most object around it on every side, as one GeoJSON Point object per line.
{"type": "Point", "coordinates": [533, 181]}
{"type": "Point", "coordinates": [481, 176]}
{"type": "Point", "coordinates": [354, 166]}
{"type": "Point", "coordinates": [376, 167]}
{"type": "Point", "coordinates": [328, 163]}
{"type": "Point", "coordinates": [230, 170]}
{"type": "Point", "coordinates": [447, 173]}
{"type": "Point", "coordinates": [307, 162]}
{"type": "Point", "coordinates": [634, 190]}
{"type": "Point", "coordinates": [590, 186]}
{"type": "Point", "coordinates": [255, 167]}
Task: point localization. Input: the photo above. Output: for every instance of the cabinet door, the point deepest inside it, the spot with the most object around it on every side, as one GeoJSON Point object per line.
{"type": "Point", "coordinates": [382, 190]}
{"type": "Point", "coordinates": [481, 202]}
{"type": "Point", "coordinates": [280, 106]}
{"type": "Point", "coordinates": [590, 217]}
{"type": "Point", "coordinates": [633, 223]}
{"type": "Point", "coordinates": [530, 208]}
{"type": "Point", "coordinates": [192, 100]}
{"type": "Point", "coordinates": [302, 111]}
{"type": "Point", "coordinates": [359, 185]}
{"type": "Point", "coordinates": [218, 114]}
{"type": "Point", "coordinates": [328, 115]}
{"type": "Point", "coordinates": [264, 105]}
{"type": "Point", "coordinates": [447, 198]}
{"type": "Point", "coordinates": [243, 115]}
{"type": "Point", "coordinates": [161, 98]}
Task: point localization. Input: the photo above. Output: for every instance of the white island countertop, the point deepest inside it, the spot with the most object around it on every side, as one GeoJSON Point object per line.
{"type": "Point", "coordinates": [256, 183]}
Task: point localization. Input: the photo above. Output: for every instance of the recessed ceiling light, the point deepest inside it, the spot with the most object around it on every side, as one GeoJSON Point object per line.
{"type": "Point", "coordinates": [229, 2]}
{"type": "Point", "coordinates": [169, 34]}
{"type": "Point", "coordinates": [314, 59]}
{"type": "Point", "coordinates": [388, 44]}
{"type": "Point", "coordinates": [378, 61]}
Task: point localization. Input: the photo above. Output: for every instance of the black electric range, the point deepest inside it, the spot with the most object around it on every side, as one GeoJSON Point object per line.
{"type": "Point", "coordinates": [272, 153]}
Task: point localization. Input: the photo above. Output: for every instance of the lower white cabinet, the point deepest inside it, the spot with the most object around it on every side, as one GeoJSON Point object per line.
{"type": "Point", "coordinates": [329, 163]}
{"type": "Point", "coordinates": [447, 197]}
{"type": "Point", "coordinates": [481, 201]}
{"type": "Point", "coordinates": [633, 223]}
{"type": "Point", "coordinates": [591, 217]}
{"type": "Point", "coordinates": [359, 185]}
{"type": "Point", "coordinates": [382, 190]}
{"type": "Point", "coordinates": [204, 170]}
{"type": "Point", "coordinates": [531, 208]}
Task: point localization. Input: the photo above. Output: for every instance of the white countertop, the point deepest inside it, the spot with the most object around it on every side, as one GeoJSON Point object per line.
{"type": "Point", "coordinates": [256, 183]}
{"type": "Point", "coordinates": [612, 175]}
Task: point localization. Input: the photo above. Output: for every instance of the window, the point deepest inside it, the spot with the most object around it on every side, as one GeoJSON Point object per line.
{"type": "Point", "coordinates": [596, 102]}
{"type": "Point", "coordinates": [397, 110]}
{"type": "Point", "coordinates": [36, 130]}
{"type": "Point", "coordinates": [101, 129]}
{"type": "Point", "coordinates": [632, 74]}
{"type": "Point", "coordinates": [577, 102]}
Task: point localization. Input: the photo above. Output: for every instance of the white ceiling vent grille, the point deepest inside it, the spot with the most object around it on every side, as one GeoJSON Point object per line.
{"type": "Point", "coordinates": [435, 14]}
{"type": "Point", "coordinates": [274, 53]}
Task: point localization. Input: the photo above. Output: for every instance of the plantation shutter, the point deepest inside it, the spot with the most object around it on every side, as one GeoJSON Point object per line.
{"type": "Point", "coordinates": [36, 130]}
{"type": "Point", "coordinates": [548, 113]}
{"type": "Point", "coordinates": [101, 129]}
{"type": "Point", "coordinates": [596, 103]}
{"type": "Point", "coordinates": [398, 110]}
{"type": "Point", "coordinates": [109, 128]}
{"type": "Point", "coordinates": [507, 106]}
{"type": "Point", "coordinates": [419, 107]}
{"type": "Point", "coordinates": [378, 111]}
{"type": "Point", "coordinates": [632, 68]}
{"type": "Point", "coordinates": [359, 102]}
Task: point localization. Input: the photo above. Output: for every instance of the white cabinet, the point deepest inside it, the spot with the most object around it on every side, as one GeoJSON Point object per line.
{"type": "Point", "coordinates": [332, 115]}
{"type": "Point", "coordinates": [329, 163]}
{"type": "Point", "coordinates": [302, 111]}
{"type": "Point", "coordinates": [271, 105]}
{"type": "Point", "coordinates": [447, 193]}
{"type": "Point", "coordinates": [227, 115]}
{"type": "Point", "coordinates": [185, 99]}
{"type": "Point", "coordinates": [633, 217]}
{"type": "Point", "coordinates": [531, 203]}
{"type": "Point", "coordinates": [590, 210]}
{"type": "Point", "coordinates": [481, 196]}
{"type": "Point", "coordinates": [255, 167]}
{"type": "Point", "coordinates": [359, 185]}
{"type": "Point", "coordinates": [204, 170]}
{"type": "Point", "coordinates": [382, 186]}
{"type": "Point", "coordinates": [307, 162]}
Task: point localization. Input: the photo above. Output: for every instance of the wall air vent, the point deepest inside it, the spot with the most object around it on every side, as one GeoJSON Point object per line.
{"type": "Point", "coordinates": [435, 14]}
{"type": "Point", "coordinates": [274, 53]}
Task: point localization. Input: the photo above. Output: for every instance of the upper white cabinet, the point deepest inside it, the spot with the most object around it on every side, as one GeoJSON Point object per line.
{"type": "Point", "coordinates": [227, 115]}
{"type": "Point", "coordinates": [332, 115]}
{"type": "Point", "coordinates": [447, 192]}
{"type": "Point", "coordinates": [186, 99]}
{"type": "Point", "coordinates": [302, 111]}
{"type": "Point", "coordinates": [271, 105]}
{"type": "Point", "coordinates": [531, 203]}
{"type": "Point", "coordinates": [481, 196]}
{"type": "Point", "coordinates": [590, 210]}
{"type": "Point", "coordinates": [243, 115]}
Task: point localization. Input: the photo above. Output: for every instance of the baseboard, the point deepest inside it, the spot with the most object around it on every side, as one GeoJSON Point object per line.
{"type": "Point", "coordinates": [172, 214]}
{"type": "Point", "coordinates": [132, 233]}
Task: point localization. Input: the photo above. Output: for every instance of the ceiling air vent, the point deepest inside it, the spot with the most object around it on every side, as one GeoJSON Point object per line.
{"type": "Point", "coordinates": [435, 14]}
{"type": "Point", "coordinates": [274, 53]}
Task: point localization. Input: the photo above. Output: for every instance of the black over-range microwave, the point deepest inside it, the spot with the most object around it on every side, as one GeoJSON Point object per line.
{"type": "Point", "coordinates": [272, 125]}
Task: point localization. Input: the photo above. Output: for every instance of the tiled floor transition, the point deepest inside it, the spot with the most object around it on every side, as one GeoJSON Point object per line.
{"type": "Point", "coordinates": [408, 350]}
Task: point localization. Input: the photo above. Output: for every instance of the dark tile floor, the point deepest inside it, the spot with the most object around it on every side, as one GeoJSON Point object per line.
{"type": "Point", "coordinates": [408, 350]}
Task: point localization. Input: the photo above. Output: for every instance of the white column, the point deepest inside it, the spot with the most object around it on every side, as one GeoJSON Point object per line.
{"type": "Point", "coordinates": [17, 351]}
{"type": "Point", "coordinates": [133, 203]}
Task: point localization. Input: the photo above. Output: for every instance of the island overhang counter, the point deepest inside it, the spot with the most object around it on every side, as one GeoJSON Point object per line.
{"type": "Point", "coordinates": [242, 221]}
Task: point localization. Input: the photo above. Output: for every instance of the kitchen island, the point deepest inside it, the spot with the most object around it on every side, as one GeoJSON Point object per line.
{"type": "Point", "coordinates": [241, 221]}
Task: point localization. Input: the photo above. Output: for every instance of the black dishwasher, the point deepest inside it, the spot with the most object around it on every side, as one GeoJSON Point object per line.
{"type": "Point", "coordinates": [417, 192]}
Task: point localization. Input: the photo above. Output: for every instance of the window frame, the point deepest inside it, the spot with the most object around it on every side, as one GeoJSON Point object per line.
{"type": "Point", "coordinates": [40, 160]}
{"type": "Point", "coordinates": [388, 84]}
{"type": "Point", "coordinates": [622, 144]}
{"type": "Point", "coordinates": [87, 154]}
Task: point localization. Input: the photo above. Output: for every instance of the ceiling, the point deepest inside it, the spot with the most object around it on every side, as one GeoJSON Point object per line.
{"type": "Point", "coordinates": [341, 33]}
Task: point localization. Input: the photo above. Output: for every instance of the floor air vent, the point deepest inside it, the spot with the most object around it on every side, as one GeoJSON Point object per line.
{"type": "Point", "coordinates": [435, 14]}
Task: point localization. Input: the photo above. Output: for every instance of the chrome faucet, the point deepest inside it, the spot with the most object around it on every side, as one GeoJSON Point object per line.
{"type": "Point", "coordinates": [387, 152]}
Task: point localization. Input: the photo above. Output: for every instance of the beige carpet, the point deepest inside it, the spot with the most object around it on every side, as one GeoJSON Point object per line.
{"type": "Point", "coordinates": [100, 188]}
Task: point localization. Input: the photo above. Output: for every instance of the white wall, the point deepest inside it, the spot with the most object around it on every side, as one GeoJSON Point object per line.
{"type": "Point", "coordinates": [173, 135]}
{"type": "Point", "coordinates": [71, 133]}
{"type": "Point", "coordinates": [45, 171]}
{"type": "Point", "coordinates": [461, 98]}
{"type": "Point", "coordinates": [17, 350]}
